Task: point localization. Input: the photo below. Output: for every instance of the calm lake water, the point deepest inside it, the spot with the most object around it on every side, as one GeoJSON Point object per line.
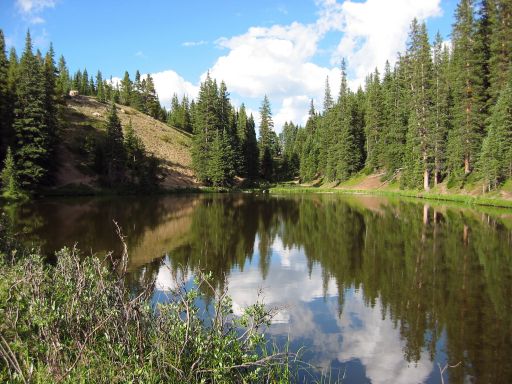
{"type": "Point", "coordinates": [376, 290]}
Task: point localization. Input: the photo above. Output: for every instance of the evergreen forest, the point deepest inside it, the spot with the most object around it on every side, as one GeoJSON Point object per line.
{"type": "Point", "coordinates": [441, 113]}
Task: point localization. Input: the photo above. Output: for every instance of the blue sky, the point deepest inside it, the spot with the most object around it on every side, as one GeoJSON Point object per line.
{"type": "Point", "coordinates": [281, 48]}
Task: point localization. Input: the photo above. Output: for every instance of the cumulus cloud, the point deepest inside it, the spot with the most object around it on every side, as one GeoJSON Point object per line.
{"type": "Point", "coordinates": [279, 60]}
{"type": "Point", "coordinates": [294, 109]}
{"type": "Point", "coordinates": [168, 83]}
{"type": "Point", "coordinates": [29, 6]}
{"type": "Point", "coordinates": [30, 9]}
{"type": "Point", "coordinates": [366, 335]}
{"type": "Point", "coordinates": [373, 30]}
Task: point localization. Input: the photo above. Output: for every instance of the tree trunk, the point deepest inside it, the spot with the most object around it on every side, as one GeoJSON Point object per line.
{"type": "Point", "coordinates": [467, 168]}
{"type": "Point", "coordinates": [426, 177]}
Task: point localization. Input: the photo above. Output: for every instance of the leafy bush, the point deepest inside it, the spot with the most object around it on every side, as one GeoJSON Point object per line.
{"type": "Point", "coordinates": [78, 321]}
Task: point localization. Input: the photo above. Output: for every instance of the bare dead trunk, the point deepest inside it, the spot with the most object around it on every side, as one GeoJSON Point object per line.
{"type": "Point", "coordinates": [426, 177]}
{"type": "Point", "coordinates": [467, 167]}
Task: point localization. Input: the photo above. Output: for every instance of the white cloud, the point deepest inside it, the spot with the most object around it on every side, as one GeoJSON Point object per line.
{"type": "Point", "coordinates": [278, 60]}
{"type": "Point", "coordinates": [194, 43]}
{"type": "Point", "coordinates": [294, 108]}
{"type": "Point", "coordinates": [375, 31]}
{"type": "Point", "coordinates": [29, 6]}
{"type": "Point", "coordinates": [140, 54]}
{"type": "Point", "coordinates": [168, 83]}
{"type": "Point", "coordinates": [366, 335]}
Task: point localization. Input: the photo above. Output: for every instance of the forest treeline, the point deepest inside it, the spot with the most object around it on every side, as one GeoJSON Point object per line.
{"type": "Point", "coordinates": [442, 112]}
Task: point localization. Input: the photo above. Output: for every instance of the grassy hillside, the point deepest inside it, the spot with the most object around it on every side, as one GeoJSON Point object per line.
{"type": "Point", "coordinates": [471, 193]}
{"type": "Point", "coordinates": [84, 119]}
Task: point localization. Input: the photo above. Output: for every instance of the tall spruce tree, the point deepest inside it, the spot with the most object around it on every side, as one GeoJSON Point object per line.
{"type": "Point", "coordinates": [328, 101]}
{"type": "Point", "coordinates": [114, 149]}
{"type": "Point", "coordinates": [50, 105]}
{"type": "Point", "coordinates": [496, 156]}
{"type": "Point", "coordinates": [442, 107]}
{"type": "Point", "coordinates": [63, 81]}
{"type": "Point", "coordinates": [9, 176]}
{"type": "Point", "coordinates": [251, 152]}
{"type": "Point", "coordinates": [468, 128]}
{"type": "Point", "coordinates": [175, 113]}
{"type": "Point", "coordinates": [125, 95]}
{"type": "Point", "coordinates": [374, 122]}
{"type": "Point", "coordinates": [418, 167]}
{"type": "Point", "coordinates": [150, 98]}
{"type": "Point", "coordinates": [265, 140]}
{"type": "Point", "coordinates": [311, 147]}
{"type": "Point", "coordinates": [136, 101]}
{"type": "Point", "coordinates": [100, 88]}
{"type": "Point", "coordinates": [31, 121]}
{"type": "Point", "coordinates": [500, 55]}
{"type": "Point", "coordinates": [5, 111]}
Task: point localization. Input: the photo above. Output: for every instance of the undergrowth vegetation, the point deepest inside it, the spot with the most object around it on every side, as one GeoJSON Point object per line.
{"type": "Point", "coordinates": [77, 320]}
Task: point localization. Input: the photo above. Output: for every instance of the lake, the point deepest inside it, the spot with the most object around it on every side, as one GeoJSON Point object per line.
{"type": "Point", "coordinates": [367, 288]}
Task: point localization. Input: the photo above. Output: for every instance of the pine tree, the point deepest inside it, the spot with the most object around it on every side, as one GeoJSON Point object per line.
{"type": "Point", "coordinates": [442, 104]}
{"type": "Point", "coordinates": [5, 111]}
{"type": "Point", "coordinates": [466, 137]}
{"type": "Point", "coordinates": [374, 122]}
{"type": "Point", "coordinates": [9, 176]}
{"type": "Point", "coordinates": [100, 88]}
{"type": "Point", "coordinates": [206, 124]}
{"type": "Point", "coordinates": [251, 152]}
{"type": "Point", "coordinates": [500, 55]}
{"type": "Point", "coordinates": [220, 167]}
{"type": "Point", "coordinates": [92, 87]}
{"type": "Point", "coordinates": [496, 156]}
{"type": "Point", "coordinates": [311, 148]}
{"type": "Point", "coordinates": [265, 140]}
{"type": "Point", "coordinates": [175, 114]}
{"type": "Point", "coordinates": [187, 120]}
{"type": "Point", "coordinates": [63, 82]}
{"type": "Point", "coordinates": [114, 148]}
{"type": "Point", "coordinates": [418, 165]}
{"type": "Point", "coordinates": [328, 101]}
{"type": "Point", "coordinates": [397, 111]}
{"type": "Point", "coordinates": [136, 101]}
{"type": "Point", "coordinates": [291, 158]}
{"type": "Point", "coordinates": [84, 86]}
{"type": "Point", "coordinates": [150, 98]}
{"type": "Point", "coordinates": [77, 81]}
{"type": "Point", "coordinates": [126, 89]}
{"type": "Point", "coordinates": [50, 73]}
{"type": "Point", "coordinates": [31, 121]}
{"type": "Point", "coordinates": [134, 152]}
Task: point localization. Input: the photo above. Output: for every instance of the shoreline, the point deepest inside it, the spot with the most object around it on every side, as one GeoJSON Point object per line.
{"type": "Point", "coordinates": [458, 198]}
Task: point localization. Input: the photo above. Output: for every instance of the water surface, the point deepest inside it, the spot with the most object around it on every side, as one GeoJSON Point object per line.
{"type": "Point", "coordinates": [372, 289]}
